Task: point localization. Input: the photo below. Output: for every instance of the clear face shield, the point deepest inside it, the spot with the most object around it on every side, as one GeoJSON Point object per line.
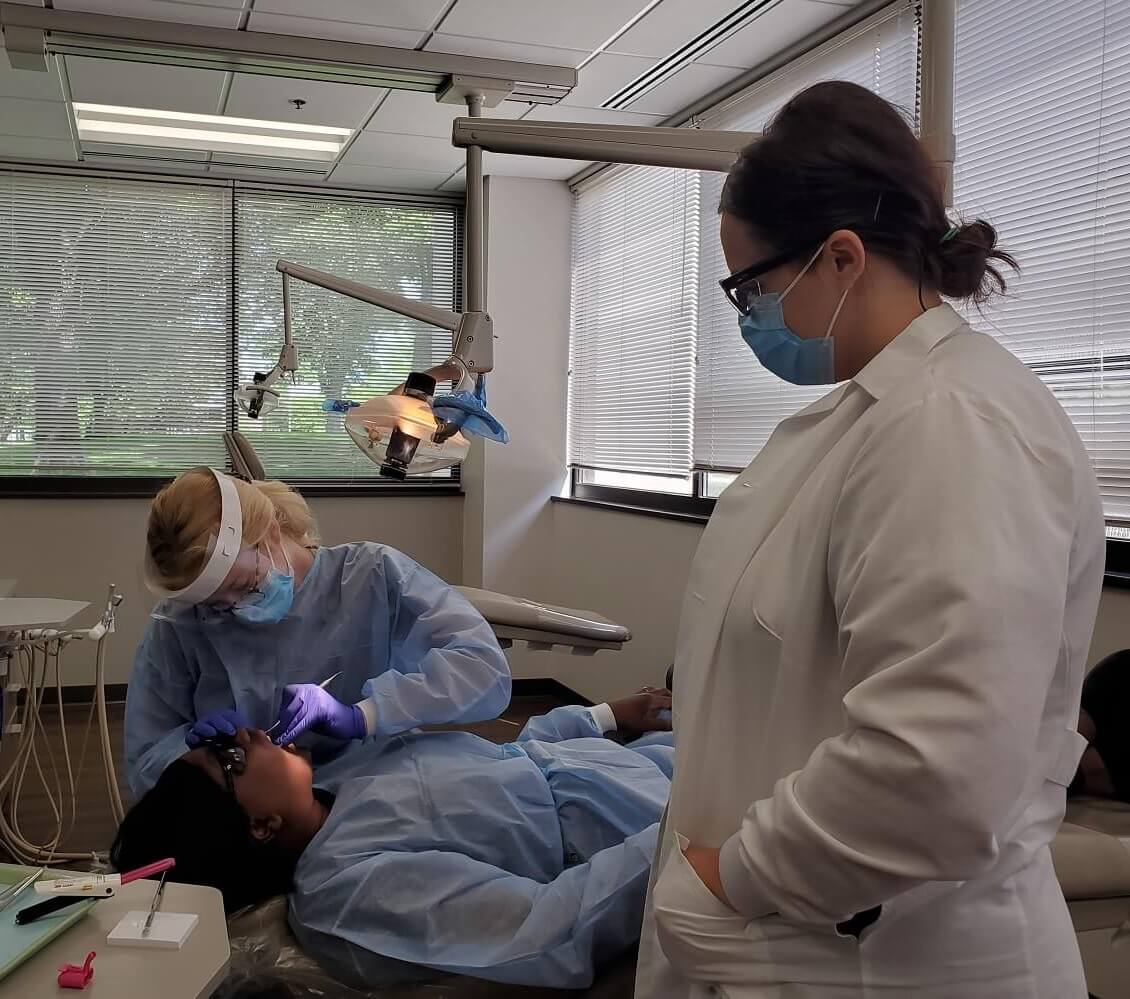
{"type": "Point", "coordinates": [231, 572]}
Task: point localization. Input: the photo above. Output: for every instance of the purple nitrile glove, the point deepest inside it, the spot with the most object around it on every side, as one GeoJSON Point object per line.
{"type": "Point", "coordinates": [225, 721]}
{"type": "Point", "coordinates": [306, 706]}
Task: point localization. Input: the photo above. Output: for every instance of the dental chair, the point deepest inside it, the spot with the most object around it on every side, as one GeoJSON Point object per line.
{"type": "Point", "coordinates": [267, 962]}
{"type": "Point", "coordinates": [1092, 861]}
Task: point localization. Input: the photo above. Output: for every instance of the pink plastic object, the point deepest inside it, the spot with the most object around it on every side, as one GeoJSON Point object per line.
{"type": "Point", "coordinates": [77, 976]}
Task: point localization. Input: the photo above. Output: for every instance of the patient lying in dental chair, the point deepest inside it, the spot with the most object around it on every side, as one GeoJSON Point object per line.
{"type": "Point", "coordinates": [1104, 770]}
{"type": "Point", "coordinates": [524, 863]}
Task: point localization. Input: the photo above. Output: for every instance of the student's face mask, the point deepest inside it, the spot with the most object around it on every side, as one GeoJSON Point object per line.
{"type": "Point", "coordinates": [796, 359]}
{"type": "Point", "coordinates": [271, 601]}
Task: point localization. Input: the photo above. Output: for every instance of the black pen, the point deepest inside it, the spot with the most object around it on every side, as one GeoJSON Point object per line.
{"type": "Point", "coordinates": [40, 909]}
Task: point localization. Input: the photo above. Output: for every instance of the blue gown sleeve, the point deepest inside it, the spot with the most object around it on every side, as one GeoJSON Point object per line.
{"type": "Point", "coordinates": [570, 721]}
{"type": "Point", "coordinates": [454, 914]}
{"type": "Point", "coordinates": [159, 708]}
{"type": "Point", "coordinates": [445, 664]}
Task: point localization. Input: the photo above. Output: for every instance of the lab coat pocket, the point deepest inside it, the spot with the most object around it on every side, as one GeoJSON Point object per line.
{"type": "Point", "coordinates": [1066, 763]}
{"type": "Point", "coordinates": [697, 931]}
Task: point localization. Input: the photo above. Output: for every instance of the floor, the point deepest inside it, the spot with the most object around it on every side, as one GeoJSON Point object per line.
{"type": "Point", "coordinates": [93, 828]}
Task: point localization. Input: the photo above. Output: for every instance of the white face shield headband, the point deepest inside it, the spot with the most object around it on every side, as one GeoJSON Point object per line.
{"type": "Point", "coordinates": [225, 548]}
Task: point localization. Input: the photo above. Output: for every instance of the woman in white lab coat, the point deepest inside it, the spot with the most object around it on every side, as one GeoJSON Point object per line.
{"type": "Point", "coordinates": [883, 637]}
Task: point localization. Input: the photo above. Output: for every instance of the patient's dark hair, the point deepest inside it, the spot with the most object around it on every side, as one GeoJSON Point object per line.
{"type": "Point", "coordinates": [1106, 698]}
{"type": "Point", "coordinates": [189, 816]}
{"type": "Point", "coordinates": [838, 156]}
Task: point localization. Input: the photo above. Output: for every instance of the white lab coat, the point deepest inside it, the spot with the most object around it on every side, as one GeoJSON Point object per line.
{"type": "Point", "coordinates": [876, 690]}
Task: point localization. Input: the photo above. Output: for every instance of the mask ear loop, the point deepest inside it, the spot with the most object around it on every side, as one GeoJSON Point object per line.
{"type": "Point", "coordinates": [836, 314]}
{"type": "Point", "coordinates": [803, 271]}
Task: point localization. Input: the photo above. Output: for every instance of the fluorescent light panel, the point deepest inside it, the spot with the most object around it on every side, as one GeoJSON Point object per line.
{"type": "Point", "coordinates": [210, 133]}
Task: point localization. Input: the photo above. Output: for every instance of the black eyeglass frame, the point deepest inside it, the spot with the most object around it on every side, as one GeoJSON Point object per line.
{"type": "Point", "coordinates": [732, 285]}
{"type": "Point", "coordinates": [232, 760]}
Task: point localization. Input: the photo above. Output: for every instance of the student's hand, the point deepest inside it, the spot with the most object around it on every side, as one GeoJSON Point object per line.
{"type": "Point", "coordinates": [647, 711]}
{"type": "Point", "coordinates": [226, 721]}
{"type": "Point", "coordinates": [307, 707]}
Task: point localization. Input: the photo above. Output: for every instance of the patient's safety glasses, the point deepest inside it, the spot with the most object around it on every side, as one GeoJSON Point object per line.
{"type": "Point", "coordinates": [231, 758]}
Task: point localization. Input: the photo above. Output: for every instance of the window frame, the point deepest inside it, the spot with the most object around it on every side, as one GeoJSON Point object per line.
{"type": "Point", "coordinates": [81, 486]}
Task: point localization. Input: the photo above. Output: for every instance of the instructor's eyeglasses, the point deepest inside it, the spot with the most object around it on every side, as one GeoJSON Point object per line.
{"type": "Point", "coordinates": [744, 288]}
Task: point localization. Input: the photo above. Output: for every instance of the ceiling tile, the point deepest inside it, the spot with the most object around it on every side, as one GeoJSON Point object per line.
{"type": "Point", "coordinates": [419, 14]}
{"type": "Point", "coordinates": [403, 152]}
{"type": "Point", "coordinates": [34, 119]}
{"type": "Point", "coordinates": [408, 113]}
{"type": "Point", "coordinates": [458, 182]}
{"type": "Point", "coordinates": [602, 77]}
{"type": "Point", "coordinates": [578, 24]}
{"type": "Point", "coordinates": [595, 116]}
{"type": "Point", "coordinates": [387, 179]}
{"type": "Point", "coordinates": [671, 25]}
{"type": "Point", "coordinates": [20, 147]}
{"type": "Point", "coordinates": [268, 97]}
{"type": "Point", "coordinates": [28, 83]}
{"type": "Point", "coordinates": [771, 32]}
{"type": "Point", "coordinates": [685, 87]}
{"type": "Point", "coordinates": [489, 48]}
{"type": "Point", "coordinates": [340, 31]}
{"type": "Point", "coordinates": [505, 165]}
{"type": "Point", "coordinates": [135, 84]}
{"type": "Point", "coordinates": [203, 12]}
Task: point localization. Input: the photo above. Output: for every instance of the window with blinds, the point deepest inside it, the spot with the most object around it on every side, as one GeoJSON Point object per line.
{"type": "Point", "coordinates": [634, 309]}
{"type": "Point", "coordinates": [123, 333]}
{"type": "Point", "coordinates": [1043, 138]}
{"type": "Point", "coordinates": [662, 383]}
{"type": "Point", "coordinates": [346, 349]}
{"type": "Point", "coordinates": [738, 403]}
{"type": "Point", "coordinates": [114, 326]}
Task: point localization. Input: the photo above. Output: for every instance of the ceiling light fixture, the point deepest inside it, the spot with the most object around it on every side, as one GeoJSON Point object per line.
{"type": "Point", "coordinates": [207, 132]}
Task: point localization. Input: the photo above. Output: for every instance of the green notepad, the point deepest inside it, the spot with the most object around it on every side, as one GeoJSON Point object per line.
{"type": "Point", "coordinates": [18, 943]}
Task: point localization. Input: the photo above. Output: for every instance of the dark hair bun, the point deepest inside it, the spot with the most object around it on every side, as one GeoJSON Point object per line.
{"type": "Point", "coordinates": [964, 262]}
{"type": "Point", "coordinates": [838, 156]}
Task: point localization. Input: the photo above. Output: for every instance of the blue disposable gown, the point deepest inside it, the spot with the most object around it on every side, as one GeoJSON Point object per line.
{"type": "Point", "coordinates": [526, 863]}
{"type": "Point", "coordinates": [397, 633]}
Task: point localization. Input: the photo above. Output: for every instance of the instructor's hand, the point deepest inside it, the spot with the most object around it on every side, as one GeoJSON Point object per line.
{"type": "Point", "coordinates": [307, 707]}
{"type": "Point", "coordinates": [705, 861]}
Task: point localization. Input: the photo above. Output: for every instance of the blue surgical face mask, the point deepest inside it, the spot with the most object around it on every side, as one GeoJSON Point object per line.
{"type": "Point", "coordinates": [791, 357]}
{"type": "Point", "coordinates": [271, 602]}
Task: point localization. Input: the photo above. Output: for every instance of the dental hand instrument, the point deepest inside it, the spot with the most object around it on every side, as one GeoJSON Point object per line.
{"type": "Point", "coordinates": [324, 684]}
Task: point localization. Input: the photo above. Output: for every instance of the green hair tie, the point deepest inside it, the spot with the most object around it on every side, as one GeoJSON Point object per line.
{"type": "Point", "coordinates": [952, 231]}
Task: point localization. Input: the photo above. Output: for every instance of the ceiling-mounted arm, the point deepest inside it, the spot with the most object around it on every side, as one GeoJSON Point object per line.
{"type": "Point", "coordinates": [259, 395]}
{"type": "Point", "coordinates": [936, 127]}
{"type": "Point", "coordinates": [685, 148]}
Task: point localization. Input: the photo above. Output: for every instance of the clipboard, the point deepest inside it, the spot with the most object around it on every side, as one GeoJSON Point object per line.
{"type": "Point", "coordinates": [18, 943]}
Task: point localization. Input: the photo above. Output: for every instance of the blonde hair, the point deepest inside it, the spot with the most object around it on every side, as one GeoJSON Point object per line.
{"type": "Point", "coordinates": [185, 514]}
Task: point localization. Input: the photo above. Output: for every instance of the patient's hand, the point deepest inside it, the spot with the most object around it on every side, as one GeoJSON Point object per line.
{"type": "Point", "coordinates": [647, 711]}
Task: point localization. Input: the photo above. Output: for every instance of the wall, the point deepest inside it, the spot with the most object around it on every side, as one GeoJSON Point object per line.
{"type": "Point", "coordinates": [633, 569]}
{"type": "Point", "coordinates": [1112, 629]}
{"type": "Point", "coordinates": [73, 548]}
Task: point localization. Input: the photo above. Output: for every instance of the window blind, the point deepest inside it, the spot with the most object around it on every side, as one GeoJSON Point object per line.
{"type": "Point", "coordinates": [114, 318]}
{"type": "Point", "coordinates": [634, 310]}
{"type": "Point", "coordinates": [1043, 135]}
{"type": "Point", "coordinates": [347, 349]}
{"type": "Point", "coordinates": [738, 403]}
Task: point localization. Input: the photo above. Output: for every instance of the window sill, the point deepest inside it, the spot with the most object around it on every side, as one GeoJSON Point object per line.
{"type": "Point", "coordinates": [643, 511]}
{"type": "Point", "coordinates": [128, 487]}
{"type": "Point", "coordinates": [1117, 552]}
